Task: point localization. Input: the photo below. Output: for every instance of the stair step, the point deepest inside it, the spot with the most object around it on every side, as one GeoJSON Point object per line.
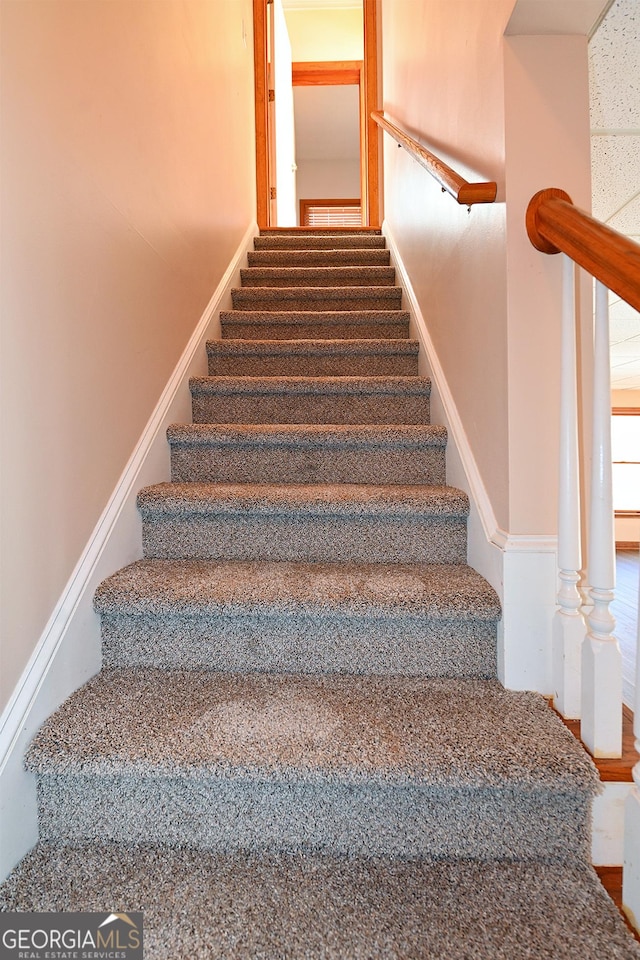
{"type": "Point", "coordinates": [276, 905]}
{"type": "Point", "coordinates": [348, 257]}
{"type": "Point", "coordinates": [371, 766]}
{"type": "Point", "coordinates": [316, 242]}
{"type": "Point", "coordinates": [320, 231]}
{"type": "Point", "coordinates": [306, 453]}
{"type": "Point", "coordinates": [337, 400]}
{"type": "Point", "coordinates": [317, 298]}
{"type": "Point", "coordinates": [313, 358]}
{"type": "Point", "coordinates": [384, 619]}
{"type": "Point", "coordinates": [318, 276]}
{"type": "Point", "coordinates": [312, 324]}
{"type": "Point", "coordinates": [317, 522]}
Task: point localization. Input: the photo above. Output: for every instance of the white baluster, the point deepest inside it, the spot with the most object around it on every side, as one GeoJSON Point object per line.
{"type": "Point", "coordinates": [631, 870]}
{"type": "Point", "coordinates": [568, 622]}
{"type": "Point", "coordinates": [601, 727]}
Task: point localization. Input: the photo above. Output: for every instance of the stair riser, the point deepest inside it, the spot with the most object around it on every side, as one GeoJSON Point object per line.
{"type": "Point", "coordinates": [298, 329]}
{"type": "Point", "coordinates": [315, 298]}
{"type": "Point", "coordinates": [310, 642]}
{"type": "Point", "coordinates": [318, 277]}
{"type": "Point", "coordinates": [288, 242]}
{"type": "Point", "coordinates": [319, 258]}
{"type": "Point", "coordinates": [375, 365]}
{"type": "Point", "coordinates": [303, 536]}
{"type": "Point", "coordinates": [240, 463]}
{"type": "Point", "coordinates": [310, 408]}
{"type": "Point", "coordinates": [364, 819]}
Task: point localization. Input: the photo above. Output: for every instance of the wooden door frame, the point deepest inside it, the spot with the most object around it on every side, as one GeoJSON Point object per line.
{"type": "Point", "coordinates": [364, 73]}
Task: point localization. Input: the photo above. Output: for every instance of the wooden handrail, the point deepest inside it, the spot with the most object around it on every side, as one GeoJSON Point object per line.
{"type": "Point", "coordinates": [460, 189]}
{"type": "Point", "coordinates": [555, 225]}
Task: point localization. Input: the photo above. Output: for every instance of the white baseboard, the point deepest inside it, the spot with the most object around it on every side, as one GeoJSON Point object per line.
{"type": "Point", "coordinates": [521, 569]}
{"type": "Point", "coordinates": [68, 652]}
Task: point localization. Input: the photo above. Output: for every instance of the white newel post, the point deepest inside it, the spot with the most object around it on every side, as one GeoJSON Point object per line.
{"type": "Point", "coordinates": [601, 728]}
{"type": "Point", "coordinates": [568, 622]}
{"type": "Point", "coordinates": [631, 870]}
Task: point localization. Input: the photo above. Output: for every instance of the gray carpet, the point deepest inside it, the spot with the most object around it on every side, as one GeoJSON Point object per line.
{"type": "Point", "coordinates": [333, 323]}
{"type": "Point", "coordinates": [297, 746]}
{"type": "Point", "coordinates": [307, 453]}
{"type": "Point", "coordinates": [308, 907]}
{"type": "Point", "coordinates": [313, 358]}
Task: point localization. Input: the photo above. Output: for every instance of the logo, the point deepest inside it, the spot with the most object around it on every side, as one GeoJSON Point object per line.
{"type": "Point", "coordinates": [71, 936]}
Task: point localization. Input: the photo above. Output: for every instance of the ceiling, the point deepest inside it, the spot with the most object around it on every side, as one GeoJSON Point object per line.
{"type": "Point", "coordinates": [614, 73]}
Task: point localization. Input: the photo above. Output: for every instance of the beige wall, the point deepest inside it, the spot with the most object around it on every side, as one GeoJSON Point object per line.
{"type": "Point", "coordinates": [625, 398]}
{"type": "Point", "coordinates": [514, 110]}
{"type": "Point", "coordinates": [547, 145]}
{"type": "Point", "coordinates": [320, 179]}
{"type": "Point", "coordinates": [325, 34]}
{"type": "Point", "coordinates": [127, 183]}
{"type": "Point", "coordinates": [445, 85]}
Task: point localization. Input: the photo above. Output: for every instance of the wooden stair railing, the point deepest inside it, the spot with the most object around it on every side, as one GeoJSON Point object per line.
{"type": "Point", "coordinates": [555, 225]}
{"type": "Point", "coordinates": [587, 667]}
{"type": "Point", "coordinates": [462, 190]}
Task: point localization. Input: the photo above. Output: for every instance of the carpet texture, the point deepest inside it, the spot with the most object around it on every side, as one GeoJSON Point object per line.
{"type": "Point", "coordinates": [276, 907]}
{"type": "Point", "coordinates": [280, 324]}
{"type": "Point", "coordinates": [313, 358]}
{"type": "Point", "coordinates": [297, 746]}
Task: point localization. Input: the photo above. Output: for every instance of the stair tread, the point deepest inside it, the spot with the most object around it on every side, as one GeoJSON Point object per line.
{"type": "Point", "coordinates": [441, 734]}
{"type": "Point", "coordinates": [334, 499]}
{"type": "Point", "coordinates": [383, 292]}
{"type": "Point", "coordinates": [315, 316]}
{"type": "Point", "coordinates": [300, 385]}
{"type": "Point", "coordinates": [309, 434]}
{"type": "Point", "coordinates": [240, 905]}
{"type": "Point", "coordinates": [320, 231]}
{"type": "Point", "coordinates": [313, 276]}
{"type": "Point", "coordinates": [348, 256]}
{"type": "Point", "coordinates": [319, 242]}
{"type": "Point", "coordinates": [320, 347]}
{"type": "Point", "coordinates": [196, 587]}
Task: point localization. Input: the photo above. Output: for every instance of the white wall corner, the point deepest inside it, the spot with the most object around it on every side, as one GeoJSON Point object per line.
{"type": "Point", "coordinates": [530, 589]}
{"type": "Point", "coordinates": [521, 569]}
{"type": "Point", "coordinates": [68, 652]}
{"type": "Point", "coordinates": [608, 825]}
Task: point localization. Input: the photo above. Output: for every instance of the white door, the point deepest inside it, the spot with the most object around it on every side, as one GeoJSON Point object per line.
{"type": "Point", "coordinates": [281, 122]}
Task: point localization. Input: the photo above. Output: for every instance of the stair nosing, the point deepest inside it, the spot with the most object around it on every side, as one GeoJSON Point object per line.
{"type": "Point", "coordinates": [330, 499]}
{"type": "Point", "coordinates": [409, 436]}
{"type": "Point", "coordinates": [313, 347]}
{"type": "Point", "coordinates": [87, 736]}
{"type": "Point", "coordinates": [318, 316]}
{"type": "Point", "coordinates": [198, 588]}
{"type": "Point", "coordinates": [391, 385]}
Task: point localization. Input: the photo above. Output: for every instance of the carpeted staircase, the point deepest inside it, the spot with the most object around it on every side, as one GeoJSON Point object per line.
{"type": "Point", "coordinates": [298, 746]}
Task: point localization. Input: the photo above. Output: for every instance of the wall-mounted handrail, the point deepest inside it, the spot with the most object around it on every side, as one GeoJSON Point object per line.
{"type": "Point", "coordinates": [460, 189]}
{"type": "Point", "coordinates": [554, 224]}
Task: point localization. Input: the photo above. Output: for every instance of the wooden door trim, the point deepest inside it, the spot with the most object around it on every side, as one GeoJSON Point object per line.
{"type": "Point", "coordinates": [370, 182]}
{"type": "Point", "coordinates": [261, 86]}
{"type": "Point", "coordinates": [368, 83]}
{"type": "Point", "coordinates": [326, 73]}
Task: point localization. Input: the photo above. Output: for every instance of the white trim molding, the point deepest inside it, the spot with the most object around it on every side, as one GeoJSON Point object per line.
{"type": "Point", "coordinates": [68, 652]}
{"type": "Point", "coordinates": [522, 568]}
